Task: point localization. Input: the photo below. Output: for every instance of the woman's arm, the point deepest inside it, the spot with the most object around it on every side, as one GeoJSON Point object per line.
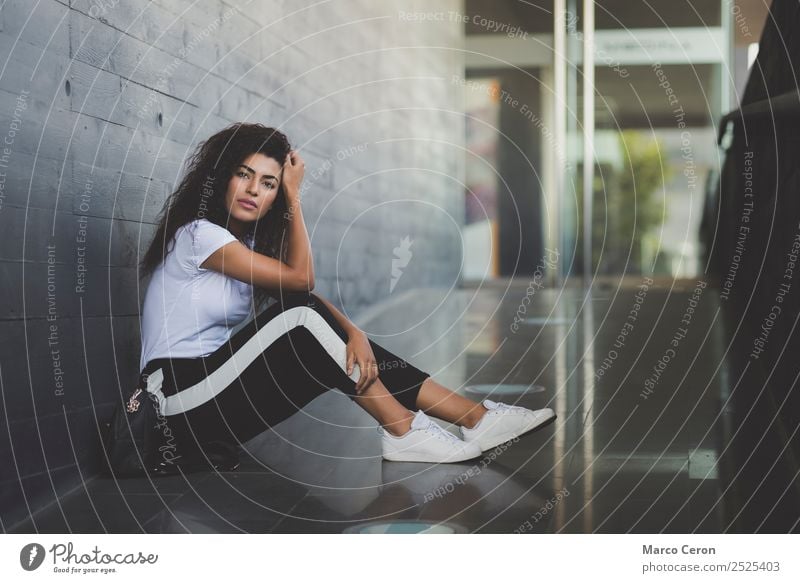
{"type": "Point", "coordinates": [238, 261]}
{"type": "Point", "coordinates": [297, 274]}
{"type": "Point", "coordinates": [349, 327]}
{"type": "Point", "coordinates": [299, 256]}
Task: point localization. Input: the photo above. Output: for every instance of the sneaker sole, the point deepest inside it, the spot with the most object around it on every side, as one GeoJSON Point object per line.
{"type": "Point", "coordinates": [511, 435]}
{"type": "Point", "coordinates": [410, 457]}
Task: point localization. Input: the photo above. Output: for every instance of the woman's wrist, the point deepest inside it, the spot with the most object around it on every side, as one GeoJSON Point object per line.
{"type": "Point", "coordinates": [350, 329]}
{"type": "Point", "coordinates": [354, 331]}
{"type": "Point", "coordinates": [292, 202]}
{"type": "Point", "coordinates": [292, 193]}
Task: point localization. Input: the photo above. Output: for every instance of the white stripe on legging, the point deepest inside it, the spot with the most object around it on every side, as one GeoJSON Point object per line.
{"type": "Point", "coordinates": [230, 370]}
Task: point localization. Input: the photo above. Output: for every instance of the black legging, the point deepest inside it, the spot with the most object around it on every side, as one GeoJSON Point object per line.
{"type": "Point", "coordinates": [289, 354]}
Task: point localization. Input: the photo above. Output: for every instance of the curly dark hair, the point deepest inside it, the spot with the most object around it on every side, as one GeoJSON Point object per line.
{"type": "Point", "coordinates": [201, 194]}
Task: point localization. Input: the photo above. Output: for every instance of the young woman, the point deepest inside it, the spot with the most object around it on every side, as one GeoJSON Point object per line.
{"type": "Point", "coordinates": [231, 241]}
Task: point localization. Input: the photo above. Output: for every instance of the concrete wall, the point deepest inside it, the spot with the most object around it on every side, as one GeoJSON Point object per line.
{"type": "Point", "coordinates": [100, 103]}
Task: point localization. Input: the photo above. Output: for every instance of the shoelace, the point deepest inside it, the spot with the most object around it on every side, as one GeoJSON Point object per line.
{"type": "Point", "coordinates": [510, 407]}
{"type": "Point", "coordinates": [437, 431]}
{"type": "Point", "coordinates": [434, 429]}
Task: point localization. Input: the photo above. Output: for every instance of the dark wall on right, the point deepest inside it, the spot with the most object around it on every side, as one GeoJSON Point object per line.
{"type": "Point", "coordinates": [752, 235]}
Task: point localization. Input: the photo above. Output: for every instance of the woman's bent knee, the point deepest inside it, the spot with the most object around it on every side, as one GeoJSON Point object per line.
{"type": "Point", "coordinates": [295, 297]}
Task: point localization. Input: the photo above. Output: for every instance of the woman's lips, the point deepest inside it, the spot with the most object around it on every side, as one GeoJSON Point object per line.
{"type": "Point", "coordinates": [247, 204]}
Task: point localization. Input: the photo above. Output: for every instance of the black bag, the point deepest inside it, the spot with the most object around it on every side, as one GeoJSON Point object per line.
{"type": "Point", "coordinates": [135, 442]}
{"type": "Point", "coordinates": [138, 441]}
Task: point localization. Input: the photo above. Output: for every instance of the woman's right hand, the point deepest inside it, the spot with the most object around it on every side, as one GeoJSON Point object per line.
{"type": "Point", "coordinates": [293, 170]}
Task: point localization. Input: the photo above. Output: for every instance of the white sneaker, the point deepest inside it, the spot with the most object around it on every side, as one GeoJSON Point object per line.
{"type": "Point", "coordinates": [504, 422]}
{"type": "Point", "coordinates": [426, 441]}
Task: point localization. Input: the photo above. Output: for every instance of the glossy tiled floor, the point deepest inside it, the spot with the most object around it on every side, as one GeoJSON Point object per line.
{"type": "Point", "coordinates": [637, 447]}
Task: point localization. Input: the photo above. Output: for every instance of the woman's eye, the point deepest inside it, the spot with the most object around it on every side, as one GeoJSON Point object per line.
{"type": "Point", "coordinates": [269, 185]}
{"type": "Point", "coordinates": [241, 174]}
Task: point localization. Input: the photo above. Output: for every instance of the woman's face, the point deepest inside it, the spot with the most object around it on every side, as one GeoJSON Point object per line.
{"type": "Point", "coordinates": [252, 190]}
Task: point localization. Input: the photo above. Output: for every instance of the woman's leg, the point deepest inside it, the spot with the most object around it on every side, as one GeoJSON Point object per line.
{"type": "Point", "coordinates": [385, 408]}
{"type": "Point", "coordinates": [402, 388]}
{"type": "Point", "coordinates": [443, 403]}
{"type": "Point", "coordinates": [288, 355]}
{"type": "Point", "coordinates": [397, 379]}
{"type": "Point", "coordinates": [392, 397]}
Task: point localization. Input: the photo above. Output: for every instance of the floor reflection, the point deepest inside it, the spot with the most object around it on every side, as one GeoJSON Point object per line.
{"type": "Point", "coordinates": [651, 432]}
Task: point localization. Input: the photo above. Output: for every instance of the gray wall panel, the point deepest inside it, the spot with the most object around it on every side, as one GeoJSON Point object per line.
{"type": "Point", "coordinates": [366, 97]}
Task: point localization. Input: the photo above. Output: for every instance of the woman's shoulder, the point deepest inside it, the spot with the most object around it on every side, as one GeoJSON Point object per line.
{"type": "Point", "coordinates": [203, 223]}
{"type": "Point", "coordinates": [202, 238]}
{"type": "Point", "coordinates": [204, 227]}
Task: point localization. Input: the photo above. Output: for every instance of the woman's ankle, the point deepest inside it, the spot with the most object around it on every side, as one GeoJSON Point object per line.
{"type": "Point", "coordinates": [474, 417]}
{"type": "Point", "coordinates": [399, 428]}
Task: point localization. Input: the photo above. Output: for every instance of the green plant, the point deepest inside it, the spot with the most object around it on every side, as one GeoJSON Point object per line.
{"type": "Point", "coordinates": [626, 205]}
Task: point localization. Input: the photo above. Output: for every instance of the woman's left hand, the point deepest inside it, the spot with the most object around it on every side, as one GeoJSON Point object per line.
{"type": "Point", "coordinates": [359, 351]}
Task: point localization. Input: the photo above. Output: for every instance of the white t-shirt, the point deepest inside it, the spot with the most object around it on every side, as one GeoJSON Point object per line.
{"type": "Point", "coordinates": [190, 311]}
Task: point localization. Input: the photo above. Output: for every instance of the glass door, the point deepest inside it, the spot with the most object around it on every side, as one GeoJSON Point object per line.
{"type": "Point", "coordinates": [642, 87]}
